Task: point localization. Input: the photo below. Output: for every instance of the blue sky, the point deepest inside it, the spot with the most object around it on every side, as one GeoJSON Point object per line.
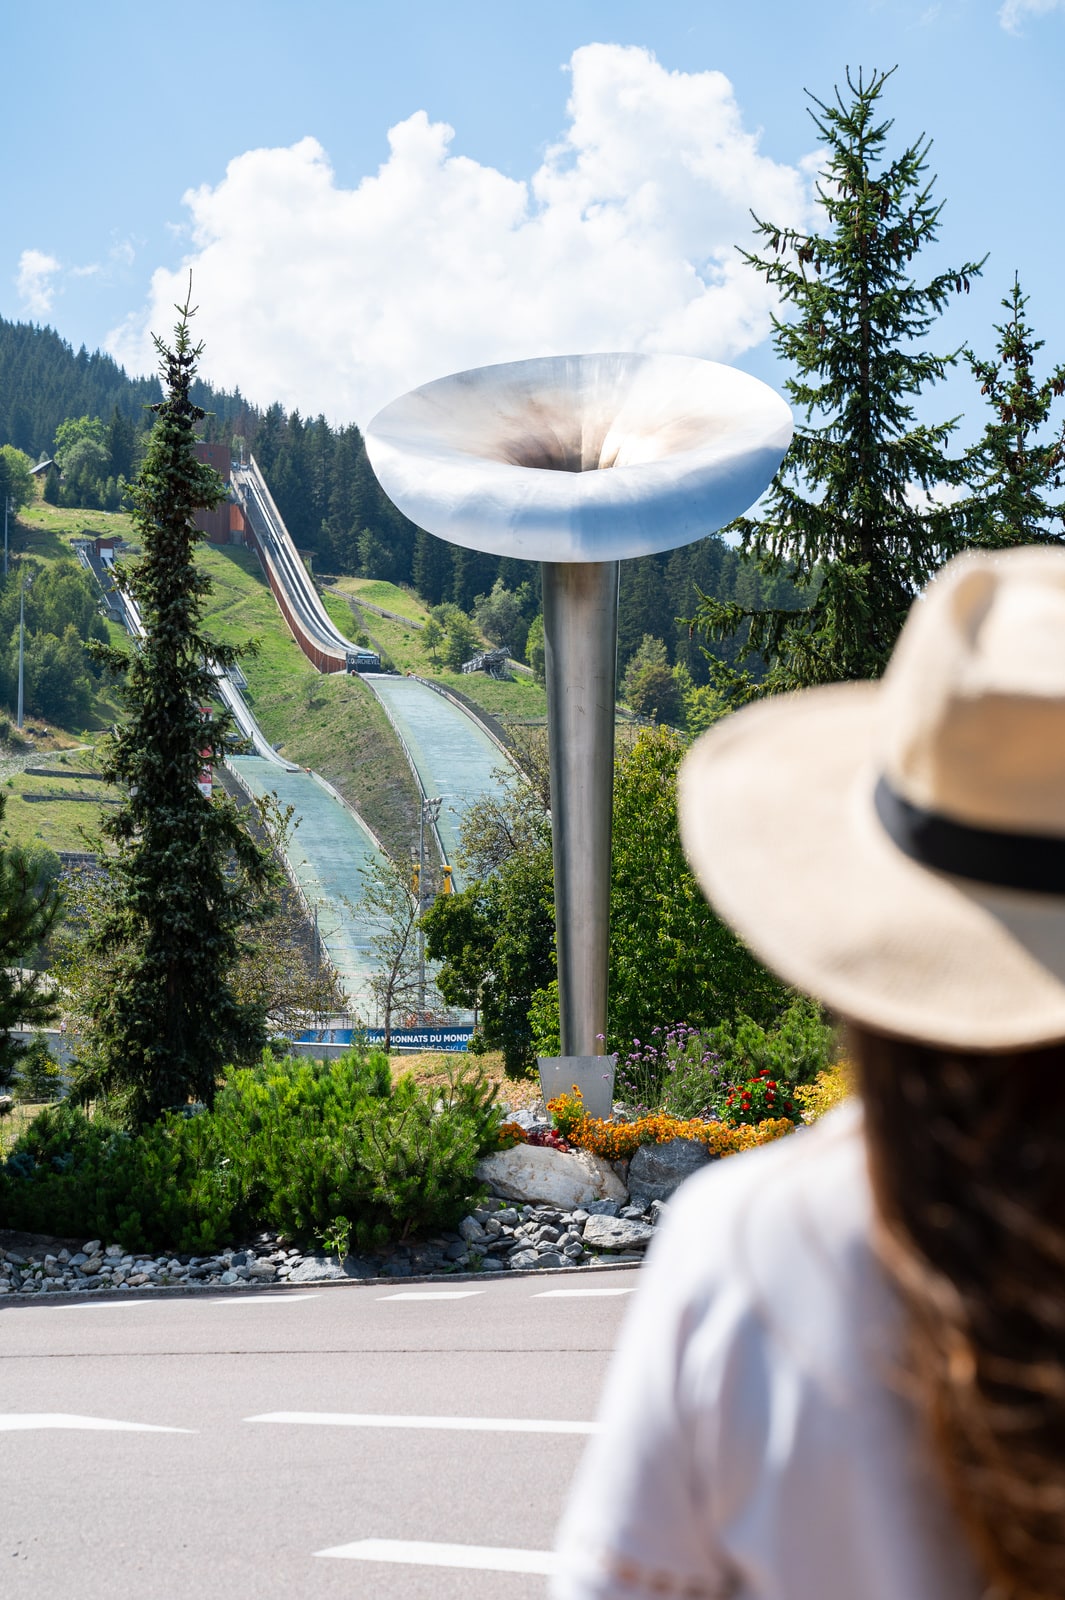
{"type": "Point", "coordinates": [560, 176]}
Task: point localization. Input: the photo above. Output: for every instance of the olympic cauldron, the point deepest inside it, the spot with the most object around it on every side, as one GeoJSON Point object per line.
{"type": "Point", "coordinates": [579, 462]}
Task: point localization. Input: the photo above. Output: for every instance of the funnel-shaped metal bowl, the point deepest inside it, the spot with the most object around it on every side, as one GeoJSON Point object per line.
{"type": "Point", "coordinates": [580, 458]}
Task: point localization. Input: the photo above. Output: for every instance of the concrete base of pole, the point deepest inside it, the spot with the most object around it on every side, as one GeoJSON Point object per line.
{"type": "Point", "coordinates": [580, 655]}
{"type": "Point", "coordinates": [593, 1076]}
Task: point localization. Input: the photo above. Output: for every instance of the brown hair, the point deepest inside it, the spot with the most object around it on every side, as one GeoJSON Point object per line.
{"type": "Point", "coordinates": [967, 1159]}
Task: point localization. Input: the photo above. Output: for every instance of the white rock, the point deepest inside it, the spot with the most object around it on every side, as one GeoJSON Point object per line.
{"type": "Point", "coordinates": [536, 1174]}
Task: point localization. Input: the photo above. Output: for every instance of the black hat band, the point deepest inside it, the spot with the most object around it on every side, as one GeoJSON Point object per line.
{"type": "Point", "coordinates": [1030, 861]}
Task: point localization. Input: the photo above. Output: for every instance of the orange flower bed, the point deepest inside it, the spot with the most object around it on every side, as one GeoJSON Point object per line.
{"type": "Point", "coordinates": [617, 1141]}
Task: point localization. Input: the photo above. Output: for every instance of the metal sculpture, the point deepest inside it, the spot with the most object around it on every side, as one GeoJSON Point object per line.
{"type": "Point", "coordinates": [579, 462]}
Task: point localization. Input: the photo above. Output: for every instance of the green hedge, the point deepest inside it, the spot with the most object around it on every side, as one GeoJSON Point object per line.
{"type": "Point", "coordinates": [291, 1144]}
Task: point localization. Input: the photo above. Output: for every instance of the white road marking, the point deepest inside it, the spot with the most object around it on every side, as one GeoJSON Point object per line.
{"type": "Point", "coordinates": [98, 1305]}
{"type": "Point", "coordinates": [431, 1294]}
{"type": "Point", "coordinates": [362, 1419]}
{"type": "Point", "coordinates": [422, 1553]}
{"type": "Point", "coordinates": [577, 1294]}
{"type": "Point", "coordinates": [19, 1421]}
{"type": "Point", "coordinates": [261, 1299]}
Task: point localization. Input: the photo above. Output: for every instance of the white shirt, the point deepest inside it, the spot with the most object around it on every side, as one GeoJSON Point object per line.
{"type": "Point", "coordinates": [755, 1442]}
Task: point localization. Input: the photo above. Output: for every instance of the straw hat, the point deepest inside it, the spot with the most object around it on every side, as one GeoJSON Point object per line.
{"type": "Point", "coordinates": [898, 849]}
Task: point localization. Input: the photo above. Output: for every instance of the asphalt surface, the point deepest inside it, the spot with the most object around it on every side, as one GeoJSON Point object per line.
{"type": "Point", "coordinates": [371, 1405]}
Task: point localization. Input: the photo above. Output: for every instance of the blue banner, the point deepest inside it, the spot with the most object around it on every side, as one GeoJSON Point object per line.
{"type": "Point", "coordinates": [428, 1038]}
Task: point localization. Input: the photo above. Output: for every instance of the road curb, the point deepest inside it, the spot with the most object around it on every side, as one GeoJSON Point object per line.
{"type": "Point", "coordinates": [191, 1291]}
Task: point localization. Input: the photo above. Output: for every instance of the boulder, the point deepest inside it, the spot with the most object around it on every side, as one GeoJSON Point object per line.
{"type": "Point", "coordinates": [536, 1174]}
{"type": "Point", "coordinates": [523, 1259]}
{"type": "Point", "coordinates": [325, 1269]}
{"type": "Point", "coordinates": [656, 1170]}
{"type": "Point", "coordinates": [616, 1233]}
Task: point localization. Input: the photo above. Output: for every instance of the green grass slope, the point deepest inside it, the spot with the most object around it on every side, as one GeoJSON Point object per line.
{"type": "Point", "coordinates": [59, 812]}
{"type": "Point", "coordinates": [519, 699]}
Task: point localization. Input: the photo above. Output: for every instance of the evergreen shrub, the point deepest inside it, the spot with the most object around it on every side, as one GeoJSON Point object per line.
{"type": "Point", "coordinates": [290, 1144]}
{"type": "Point", "coordinates": [37, 1076]}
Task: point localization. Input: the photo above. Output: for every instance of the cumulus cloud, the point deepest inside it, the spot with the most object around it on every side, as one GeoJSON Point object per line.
{"type": "Point", "coordinates": [34, 281]}
{"type": "Point", "coordinates": [336, 300]}
{"type": "Point", "coordinates": [1014, 12]}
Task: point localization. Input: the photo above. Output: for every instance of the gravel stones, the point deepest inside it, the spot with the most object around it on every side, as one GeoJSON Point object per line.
{"type": "Point", "coordinates": [551, 1258]}
{"type": "Point", "coordinates": [657, 1170]}
{"type": "Point", "coordinates": [495, 1237]}
{"type": "Point", "coordinates": [327, 1269]}
{"type": "Point", "coordinates": [522, 1260]}
{"type": "Point", "coordinates": [616, 1233]}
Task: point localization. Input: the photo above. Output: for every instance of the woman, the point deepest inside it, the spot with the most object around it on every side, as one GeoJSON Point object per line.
{"type": "Point", "coordinates": [843, 1377]}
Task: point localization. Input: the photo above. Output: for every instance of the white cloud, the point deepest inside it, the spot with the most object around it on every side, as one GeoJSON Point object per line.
{"type": "Point", "coordinates": [940, 495]}
{"type": "Point", "coordinates": [1013, 13]}
{"type": "Point", "coordinates": [337, 300]}
{"type": "Point", "coordinates": [34, 281]}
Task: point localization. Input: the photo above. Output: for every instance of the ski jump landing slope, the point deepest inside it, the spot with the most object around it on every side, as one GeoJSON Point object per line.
{"type": "Point", "coordinates": [450, 754]}
{"type": "Point", "coordinates": [326, 853]}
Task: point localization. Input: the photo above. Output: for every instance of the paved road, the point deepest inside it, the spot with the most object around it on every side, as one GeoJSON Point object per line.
{"type": "Point", "coordinates": [305, 1425]}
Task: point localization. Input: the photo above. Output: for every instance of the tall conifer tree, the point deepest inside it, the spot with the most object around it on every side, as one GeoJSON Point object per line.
{"type": "Point", "coordinates": [30, 901]}
{"type": "Point", "coordinates": [1016, 465]}
{"type": "Point", "coordinates": [167, 1020]}
{"type": "Point", "coordinates": [842, 516]}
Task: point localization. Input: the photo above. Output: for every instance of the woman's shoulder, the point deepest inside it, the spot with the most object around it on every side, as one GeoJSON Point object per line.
{"type": "Point", "coordinates": [780, 1231]}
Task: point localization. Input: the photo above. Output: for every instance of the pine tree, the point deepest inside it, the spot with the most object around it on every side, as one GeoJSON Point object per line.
{"type": "Point", "coordinates": [167, 1019]}
{"type": "Point", "coordinates": [29, 904]}
{"type": "Point", "coordinates": [1012, 467]}
{"type": "Point", "coordinates": [842, 516]}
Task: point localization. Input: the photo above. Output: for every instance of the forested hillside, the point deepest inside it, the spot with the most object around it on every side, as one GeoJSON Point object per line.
{"type": "Point", "coordinates": [83, 410]}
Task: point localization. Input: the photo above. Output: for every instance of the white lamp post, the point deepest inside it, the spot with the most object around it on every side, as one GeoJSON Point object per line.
{"type": "Point", "coordinates": [578, 462]}
{"type": "Point", "coordinates": [21, 639]}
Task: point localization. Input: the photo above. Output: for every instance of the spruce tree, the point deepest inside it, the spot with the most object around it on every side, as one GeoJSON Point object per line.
{"type": "Point", "coordinates": [842, 517]}
{"type": "Point", "coordinates": [166, 1018]}
{"type": "Point", "coordinates": [30, 900]}
{"type": "Point", "coordinates": [1014, 465]}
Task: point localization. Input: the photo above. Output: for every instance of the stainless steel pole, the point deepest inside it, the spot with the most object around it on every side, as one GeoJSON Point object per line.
{"type": "Point", "coordinates": [580, 657]}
